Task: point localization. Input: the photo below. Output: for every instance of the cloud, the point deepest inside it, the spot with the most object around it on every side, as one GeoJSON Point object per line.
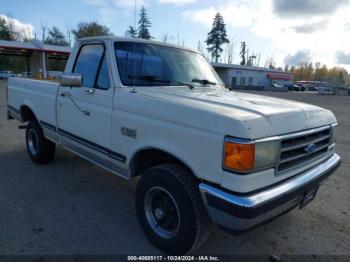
{"type": "Point", "coordinates": [343, 58]}
{"type": "Point", "coordinates": [310, 27]}
{"type": "Point", "coordinates": [177, 2]}
{"type": "Point", "coordinates": [302, 56]}
{"type": "Point", "coordinates": [292, 8]}
{"type": "Point", "coordinates": [235, 13]}
{"type": "Point", "coordinates": [284, 39]}
{"type": "Point", "coordinates": [110, 9]}
{"type": "Point", "coordinates": [201, 16]}
{"type": "Point", "coordinates": [24, 30]}
{"type": "Point", "coordinates": [96, 2]}
{"type": "Point", "coordinates": [104, 9]}
{"type": "Point", "coordinates": [125, 3]}
{"type": "Point", "coordinates": [114, 3]}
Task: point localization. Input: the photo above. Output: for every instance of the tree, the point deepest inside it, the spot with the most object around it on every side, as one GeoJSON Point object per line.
{"type": "Point", "coordinates": [9, 30]}
{"type": "Point", "coordinates": [56, 37]}
{"type": "Point", "coordinates": [229, 51]}
{"type": "Point", "coordinates": [131, 32]}
{"type": "Point", "coordinates": [4, 30]}
{"type": "Point", "coordinates": [14, 34]}
{"type": "Point", "coordinates": [251, 59]}
{"type": "Point", "coordinates": [88, 29]}
{"type": "Point", "coordinates": [199, 47]}
{"type": "Point", "coordinates": [217, 37]}
{"type": "Point", "coordinates": [144, 25]}
{"type": "Point", "coordinates": [43, 30]}
{"type": "Point", "coordinates": [258, 60]}
{"type": "Point", "coordinates": [310, 72]}
{"type": "Point", "coordinates": [286, 68]}
{"type": "Point", "coordinates": [333, 76]}
{"type": "Point", "coordinates": [69, 35]}
{"type": "Point", "coordinates": [165, 38]}
{"type": "Point", "coordinates": [247, 57]}
{"type": "Point", "coordinates": [243, 52]}
{"type": "Point", "coordinates": [318, 72]}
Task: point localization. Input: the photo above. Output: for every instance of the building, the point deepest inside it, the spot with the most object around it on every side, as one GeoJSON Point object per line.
{"type": "Point", "coordinates": [256, 78]}
{"type": "Point", "coordinates": [39, 56]}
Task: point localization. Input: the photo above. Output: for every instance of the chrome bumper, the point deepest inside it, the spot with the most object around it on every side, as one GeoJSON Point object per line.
{"type": "Point", "coordinates": [240, 212]}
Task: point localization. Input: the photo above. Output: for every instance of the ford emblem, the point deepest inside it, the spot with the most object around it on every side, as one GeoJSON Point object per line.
{"type": "Point", "coordinates": [310, 148]}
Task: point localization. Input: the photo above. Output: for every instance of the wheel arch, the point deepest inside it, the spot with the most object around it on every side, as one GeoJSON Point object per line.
{"type": "Point", "coordinates": [148, 157]}
{"type": "Point", "coordinates": [27, 113]}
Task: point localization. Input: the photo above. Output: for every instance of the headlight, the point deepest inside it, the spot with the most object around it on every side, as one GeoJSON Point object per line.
{"type": "Point", "coordinates": [245, 156]}
{"type": "Point", "coordinates": [266, 154]}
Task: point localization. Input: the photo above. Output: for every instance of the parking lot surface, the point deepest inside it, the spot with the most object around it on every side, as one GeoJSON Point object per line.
{"type": "Point", "coordinates": [72, 207]}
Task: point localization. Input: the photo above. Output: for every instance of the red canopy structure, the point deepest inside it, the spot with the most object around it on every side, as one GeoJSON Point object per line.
{"type": "Point", "coordinates": [37, 54]}
{"type": "Point", "coordinates": [279, 76]}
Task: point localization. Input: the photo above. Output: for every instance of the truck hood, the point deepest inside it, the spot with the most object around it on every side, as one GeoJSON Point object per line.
{"type": "Point", "coordinates": [232, 113]}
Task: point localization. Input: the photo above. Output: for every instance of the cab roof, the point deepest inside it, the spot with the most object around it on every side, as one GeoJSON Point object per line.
{"type": "Point", "coordinates": [136, 40]}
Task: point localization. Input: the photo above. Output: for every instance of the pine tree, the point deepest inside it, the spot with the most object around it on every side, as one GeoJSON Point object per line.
{"type": "Point", "coordinates": [144, 25]}
{"type": "Point", "coordinates": [243, 52]}
{"type": "Point", "coordinates": [217, 37]}
{"type": "Point", "coordinates": [4, 30]}
{"type": "Point", "coordinates": [131, 32]}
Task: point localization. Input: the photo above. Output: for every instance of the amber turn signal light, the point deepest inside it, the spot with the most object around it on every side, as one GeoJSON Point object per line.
{"type": "Point", "coordinates": [239, 157]}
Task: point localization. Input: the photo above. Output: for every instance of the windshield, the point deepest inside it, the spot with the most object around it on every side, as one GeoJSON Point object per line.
{"type": "Point", "coordinates": [143, 64]}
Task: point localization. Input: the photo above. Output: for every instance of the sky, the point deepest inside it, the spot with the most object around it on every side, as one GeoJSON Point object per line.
{"type": "Point", "coordinates": [287, 31]}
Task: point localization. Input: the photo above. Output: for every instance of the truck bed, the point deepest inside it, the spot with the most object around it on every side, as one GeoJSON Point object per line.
{"type": "Point", "coordinates": [39, 96]}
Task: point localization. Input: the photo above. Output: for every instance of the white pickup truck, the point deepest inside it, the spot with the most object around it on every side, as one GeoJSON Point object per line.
{"type": "Point", "coordinates": [204, 153]}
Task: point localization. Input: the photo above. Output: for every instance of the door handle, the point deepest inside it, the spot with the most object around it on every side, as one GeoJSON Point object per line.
{"type": "Point", "coordinates": [90, 91]}
{"type": "Point", "coordinates": [69, 95]}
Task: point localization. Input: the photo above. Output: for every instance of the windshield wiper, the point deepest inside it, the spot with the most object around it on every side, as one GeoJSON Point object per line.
{"type": "Point", "coordinates": [152, 78]}
{"type": "Point", "coordinates": [204, 82]}
{"type": "Point", "coordinates": [207, 82]}
{"type": "Point", "coordinates": [183, 84]}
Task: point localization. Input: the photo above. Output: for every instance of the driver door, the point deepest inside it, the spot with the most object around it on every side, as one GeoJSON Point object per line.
{"type": "Point", "coordinates": [84, 114]}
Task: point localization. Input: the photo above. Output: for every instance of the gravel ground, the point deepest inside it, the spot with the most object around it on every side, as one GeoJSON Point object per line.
{"type": "Point", "coordinates": [72, 207]}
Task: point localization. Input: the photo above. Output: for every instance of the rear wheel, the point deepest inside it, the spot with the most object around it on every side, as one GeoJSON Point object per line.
{"type": "Point", "coordinates": [40, 150]}
{"type": "Point", "coordinates": [170, 210]}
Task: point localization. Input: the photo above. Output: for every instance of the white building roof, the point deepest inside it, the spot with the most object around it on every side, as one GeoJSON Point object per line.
{"type": "Point", "coordinates": [34, 45]}
{"type": "Point", "coordinates": [250, 68]}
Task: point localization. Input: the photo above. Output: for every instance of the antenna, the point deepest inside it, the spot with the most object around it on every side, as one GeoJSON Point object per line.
{"type": "Point", "coordinates": [134, 78]}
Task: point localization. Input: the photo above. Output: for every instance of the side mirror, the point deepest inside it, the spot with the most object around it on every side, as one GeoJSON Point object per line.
{"type": "Point", "coordinates": [71, 80]}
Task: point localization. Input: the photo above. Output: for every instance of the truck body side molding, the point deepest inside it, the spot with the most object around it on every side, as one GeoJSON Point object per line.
{"type": "Point", "coordinates": [91, 145]}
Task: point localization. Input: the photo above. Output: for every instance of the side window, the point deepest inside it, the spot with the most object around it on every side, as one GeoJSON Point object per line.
{"type": "Point", "coordinates": [103, 79]}
{"type": "Point", "coordinates": [88, 63]}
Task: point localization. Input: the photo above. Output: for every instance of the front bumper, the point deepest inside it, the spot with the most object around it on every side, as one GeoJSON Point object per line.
{"type": "Point", "coordinates": [240, 212]}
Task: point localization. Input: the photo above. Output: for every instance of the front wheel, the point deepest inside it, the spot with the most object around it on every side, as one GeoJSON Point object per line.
{"type": "Point", "coordinates": [170, 210]}
{"type": "Point", "coordinates": [40, 150]}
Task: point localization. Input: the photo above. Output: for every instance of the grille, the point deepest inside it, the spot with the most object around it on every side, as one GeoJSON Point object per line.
{"type": "Point", "coordinates": [296, 150]}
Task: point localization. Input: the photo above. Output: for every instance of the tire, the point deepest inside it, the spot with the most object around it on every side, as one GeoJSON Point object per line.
{"type": "Point", "coordinates": [40, 150]}
{"type": "Point", "coordinates": [178, 232]}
